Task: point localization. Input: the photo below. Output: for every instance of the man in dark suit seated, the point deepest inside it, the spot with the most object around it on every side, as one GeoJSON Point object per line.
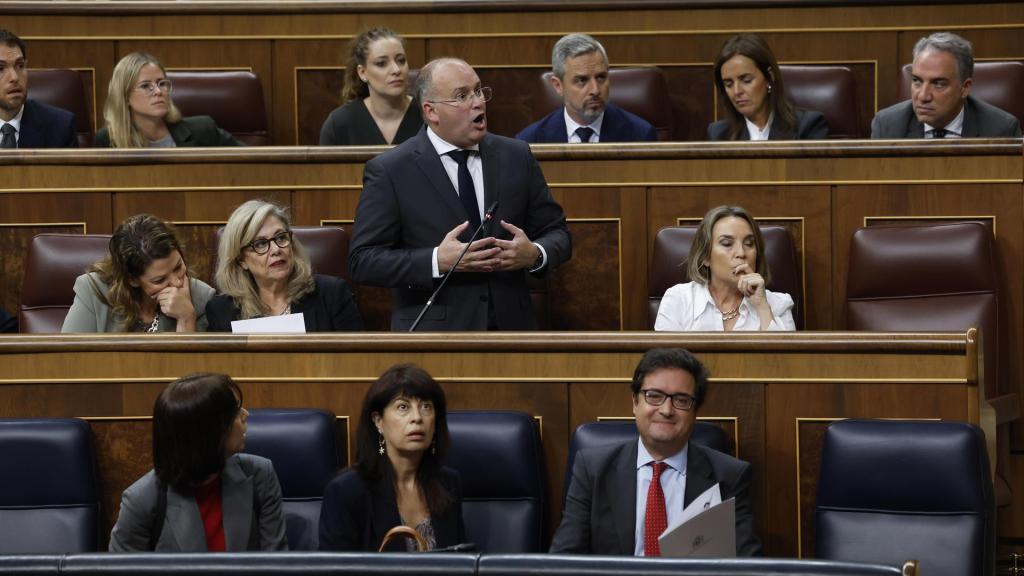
{"type": "Point", "coordinates": [26, 123]}
{"type": "Point", "coordinates": [940, 104]}
{"type": "Point", "coordinates": [579, 67]}
{"type": "Point", "coordinates": [422, 201]}
{"type": "Point", "coordinates": [614, 507]}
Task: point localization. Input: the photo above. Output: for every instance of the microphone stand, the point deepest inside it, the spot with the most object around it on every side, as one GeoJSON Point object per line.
{"type": "Point", "coordinates": [430, 301]}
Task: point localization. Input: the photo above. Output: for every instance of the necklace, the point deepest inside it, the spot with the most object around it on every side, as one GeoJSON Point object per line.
{"type": "Point", "coordinates": [287, 310]}
{"type": "Point", "coordinates": [155, 326]}
{"type": "Point", "coordinates": [726, 316]}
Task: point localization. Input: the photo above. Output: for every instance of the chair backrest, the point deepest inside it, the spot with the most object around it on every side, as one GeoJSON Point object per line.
{"type": "Point", "coordinates": [303, 446]}
{"type": "Point", "coordinates": [326, 246]}
{"type": "Point", "coordinates": [831, 90]}
{"type": "Point", "coordinates": [501, 464]}
{"type": "Point", "coordinates": [605, 432]}
{"type": "Point", "coordinates": [891, 490]}
{"type": "Point", "coordinates": [47, 289]}
{"type": "Point", "coordinates": [49, 498]}
{"type": "Point", "coordinates": [1000, 83]}
{"type": "Point", "coordinates": [672, 248]}
{"type": "Point", "coordinates": [233, 98]}
{"type": "Point", "coordinates": [642, 91]}
{"type": "Point", "coordinates": [926, 278]}
{"type": "Point", "coordinates": [63, 88]}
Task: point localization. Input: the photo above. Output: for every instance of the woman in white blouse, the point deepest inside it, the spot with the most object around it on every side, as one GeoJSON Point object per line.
{"type": "Point", "coordinates": [728, 274]}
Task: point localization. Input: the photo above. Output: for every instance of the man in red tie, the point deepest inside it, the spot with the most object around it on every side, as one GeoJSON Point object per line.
{"type": "Point", "coordinates": [623, 496]}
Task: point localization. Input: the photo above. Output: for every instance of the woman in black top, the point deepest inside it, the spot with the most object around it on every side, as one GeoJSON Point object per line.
{"type": "Point", "coordinates": [264, 271]}
{"type": "Point", "coordinates": [376, 106]}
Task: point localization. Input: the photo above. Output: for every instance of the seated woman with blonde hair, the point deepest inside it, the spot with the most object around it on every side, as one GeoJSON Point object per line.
{"type": "Point", "coordinates": [263, 270]}
{"type": "Point", "coordinates": [729, 275]}
{"type": "Point", "coordinates": [140, 113]}
{"type": "Point", "coordinates": [143, 285]}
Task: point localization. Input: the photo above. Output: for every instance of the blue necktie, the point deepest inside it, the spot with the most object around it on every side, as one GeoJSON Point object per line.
{"type": "Point", "coordinates": [467, 192]}
{"type": "Point", "coordinates": [9, 141]}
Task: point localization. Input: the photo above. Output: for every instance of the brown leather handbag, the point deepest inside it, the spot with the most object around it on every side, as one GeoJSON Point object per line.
{"type": "Point", "coordinates": [403, 532]}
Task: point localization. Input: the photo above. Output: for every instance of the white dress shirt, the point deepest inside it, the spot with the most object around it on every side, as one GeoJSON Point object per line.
{"type": "Point", "coordinates": [571, 126]}
{"type": "Point", "coordinates": [755, 132]}
{"type": "Point", "coordinates": [954, 129]}
{"type": "Point", "coordinates": [690, 307]}
{"type": "Point", "coordinates": [673, 484]}
{"type": "Point", "coordinates": [476, 170]}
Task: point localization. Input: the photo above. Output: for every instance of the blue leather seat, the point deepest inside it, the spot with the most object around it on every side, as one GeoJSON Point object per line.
{"type": "Point", "coordinates": [603, 432]}
{"type": "Point", "coordinates": [302, 444]}
{"type": "Point", "coordinates": [891, 490]}
{"type": "Point", "coordinates": [49, 500]}
{"type": "Point", "coordinates": [270, 564]}
{"type": "Point", "coordinates": [499, 458]}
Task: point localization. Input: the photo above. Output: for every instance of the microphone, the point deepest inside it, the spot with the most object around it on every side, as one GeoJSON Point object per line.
{"type": "Point", "coordinates": [462, 547]}
{"type": "Point", "coordinates": [488, 215]}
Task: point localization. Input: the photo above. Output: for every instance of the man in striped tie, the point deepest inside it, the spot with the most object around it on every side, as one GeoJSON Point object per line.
{"type": "Point", "coordinates": [623, 496]}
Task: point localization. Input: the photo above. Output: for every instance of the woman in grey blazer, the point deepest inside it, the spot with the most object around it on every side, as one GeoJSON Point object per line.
{"type": "Point", "coordinates": [142, 285]}
{"type": "Point", "coordinates": [202, 495]}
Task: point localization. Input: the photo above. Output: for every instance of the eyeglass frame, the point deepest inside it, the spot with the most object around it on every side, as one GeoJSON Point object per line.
{"type": "Point", "coordinates": [484, 93]}
{"type": "Point", "coordinates": [274, 239]}
{"type": "Point", "coordinates": [682, 397]}
{"type": "Point", "coordinates": [157, 85]}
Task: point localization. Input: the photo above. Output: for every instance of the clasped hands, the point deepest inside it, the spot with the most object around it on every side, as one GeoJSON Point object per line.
{"type": "Point", "coordinates": [487, 254]}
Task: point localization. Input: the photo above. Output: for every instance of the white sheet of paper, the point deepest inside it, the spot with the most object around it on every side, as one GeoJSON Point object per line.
{"type": "Point", "coordinates": [711, 533]}
{"type": "Point", "coordinates": [287, 324]}
{"type": "Point", "coordinates": [711, 497]}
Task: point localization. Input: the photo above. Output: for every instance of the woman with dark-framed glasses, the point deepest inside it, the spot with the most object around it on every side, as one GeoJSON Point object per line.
{"type": "Point", "coordinates": [263, 271]}
{"type": "Point", "coordinates": [139, 111]}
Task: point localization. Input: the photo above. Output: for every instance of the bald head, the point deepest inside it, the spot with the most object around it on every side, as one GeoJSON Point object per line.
{"type": "Point", "coordinates": [446, 89]}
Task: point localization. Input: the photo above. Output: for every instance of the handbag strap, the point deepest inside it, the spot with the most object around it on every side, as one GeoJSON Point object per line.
{"type": "Point", "coordinates": [403, 532]}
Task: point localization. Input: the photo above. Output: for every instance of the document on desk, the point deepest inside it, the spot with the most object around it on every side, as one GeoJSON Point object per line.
{"type": "Point", "coordinates": [707, 529]}
{"type": "Point", "coordinates": [286, 324]}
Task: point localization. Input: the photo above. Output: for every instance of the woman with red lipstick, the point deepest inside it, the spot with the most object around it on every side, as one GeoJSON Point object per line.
{"type": "Point", "coordinates": [728, 278]}
{"type": "Point", "coordinates": [263, 270]}
{"type": "Point", "coordinates": [397, 478]}
{"type": "Point", "coordinates": [748, 78]}
{"type": "Point", "coordinates": [140, 113]}
{"type": "Point", "coordinates": [376, 107]}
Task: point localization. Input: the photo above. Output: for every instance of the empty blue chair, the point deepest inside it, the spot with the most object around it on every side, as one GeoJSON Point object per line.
{"type": "Point", "coordinates": [49, 499]}
{"type": "Point", "coordinates": [501, 464]}
{"type": "Point", "coordinates": [302, 444]}
{"type": "Point", "coordinates": [891, 490]}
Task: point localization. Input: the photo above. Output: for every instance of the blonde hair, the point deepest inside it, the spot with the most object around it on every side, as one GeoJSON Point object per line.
{"type": "Point", "coordinates": [136, 243]}
{"type": "Point", "coordinates": [700, 250]}
{"type": "Point", "coordinates": [233, 280]}
{"type": "Point", "coordinates": [118, 113]}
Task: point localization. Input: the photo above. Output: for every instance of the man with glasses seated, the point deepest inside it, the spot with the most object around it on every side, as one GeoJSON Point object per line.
{"type": "Point", "coordinates": [623, 496]}
{"type": "Point", "coordinates": [579, 74]}
{"type": "Point", "coordinates": [423, 200]}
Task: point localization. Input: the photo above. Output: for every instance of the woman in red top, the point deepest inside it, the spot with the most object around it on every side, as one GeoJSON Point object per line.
{"type": "Point", "coordinates": [202, 495]}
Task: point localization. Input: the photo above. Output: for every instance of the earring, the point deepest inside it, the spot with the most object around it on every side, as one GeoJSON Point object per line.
{"type": "Point", "coordinates": [769, 88]}
{"type": "Point", "coordinates": [433, 447]}
{"type": "Point", "coordinates": [380, 444]}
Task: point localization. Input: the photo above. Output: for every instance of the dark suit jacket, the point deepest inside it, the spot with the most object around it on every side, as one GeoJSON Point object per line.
{"type": "Point", "coordinates": [981, 120]}
{"type": "Point", "coordinates": [355, 516]}
{"type": "Point", "coordinates": [191, 131]}
{"type": "Point", "coordinates": [618, 126]}
{"type": "Point", "coordinates": [330, 307]}
{"type": "Point", "coordinates": [811, 125]}
{"type": "Point", "coordinates": [45, 126]}
{"type": "Point", "coordinates": [244, 528]}
{"type": "Point", "coordinates": [407, 206]}
{"type": "Point", "coordinates": [600, 508]}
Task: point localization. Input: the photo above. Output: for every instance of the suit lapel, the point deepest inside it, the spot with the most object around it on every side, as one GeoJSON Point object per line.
{"type": "Point", "coordinates": [492, 173]}
{"type": "Point", "coordinates": [185, 522]}
{"type": "Point", "coordinates": [384, 513]}
{"type": "Point", "coordinates": [555, 131]}
{"type": "Point", "coordinates": [31, 135]}
{"type": "Point", "coordinates": [915, 129]}
{"type": "Point", "coordinates": [698, 474]}
{"type": "Point", "coordinates": [970, 125]}
{"type": "Point", "coordinates": [181, 134]}
{"type": "Point", "coordinates": [426, 158]}
{"type": "Point", "coordinates": [623, 497]}
{"type": "Point", "coordinates": [236, 501]}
